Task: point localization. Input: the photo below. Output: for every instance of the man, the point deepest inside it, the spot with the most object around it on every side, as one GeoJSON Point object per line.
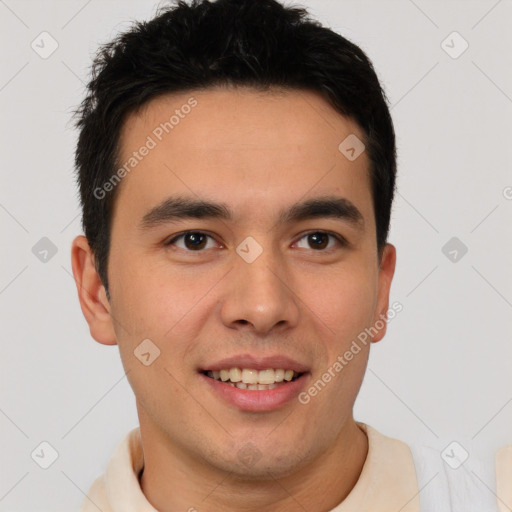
{"type": "Point", "coordinates": [236, 164]}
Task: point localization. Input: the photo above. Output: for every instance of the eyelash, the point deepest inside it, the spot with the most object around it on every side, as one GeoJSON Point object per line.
{"type": "Point", "coordinates": [341, 240]}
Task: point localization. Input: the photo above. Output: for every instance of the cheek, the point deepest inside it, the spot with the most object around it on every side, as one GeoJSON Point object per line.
{"type": "Point", "coordinates": [344, 301]}
{"type": "Point", "coordinates": [158, 310]}
{"type": "Point", "coordinates": [169, 308]}
{"type": "Point", "coordinates": [148, 298]}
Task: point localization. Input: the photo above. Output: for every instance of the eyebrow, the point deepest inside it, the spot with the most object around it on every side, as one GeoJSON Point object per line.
{"type": "Point", "coordinates": [177, 208]}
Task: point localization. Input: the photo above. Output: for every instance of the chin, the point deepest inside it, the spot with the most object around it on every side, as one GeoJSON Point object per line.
{"type": "Point", "coordinates": [252, 464]}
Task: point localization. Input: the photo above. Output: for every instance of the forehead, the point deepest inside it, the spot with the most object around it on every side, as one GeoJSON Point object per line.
{"type": "Point", "coordinates": [260, 147]}
{"type": "Point", "coordinates": [241, 118]}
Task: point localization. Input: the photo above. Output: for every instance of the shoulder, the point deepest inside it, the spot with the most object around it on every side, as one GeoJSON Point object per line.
{"type": "Point", "coordinates": [387, 453]}
{"type": "Point", "coordinates": [454, 479]}
{"type": "Point", "coordinates": [503, 462]}
{"type": "Point", "coordinates": [119, 479]}
{"type": "Point", "coordinates": [451, 479]}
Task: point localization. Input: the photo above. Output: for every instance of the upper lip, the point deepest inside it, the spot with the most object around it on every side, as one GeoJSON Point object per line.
{"type": "Point", "coordinates": [257, 363]}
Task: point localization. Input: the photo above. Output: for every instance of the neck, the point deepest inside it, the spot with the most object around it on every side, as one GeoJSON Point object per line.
{"type": "Point", "coordinates": [173, 481]}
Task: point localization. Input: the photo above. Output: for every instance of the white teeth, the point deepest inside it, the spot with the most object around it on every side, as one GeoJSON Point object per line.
{"type": "Point", "coordinates": [235, 375]}
{"type": "Point", "coordinates": [288, 375]}
{"type": "Point", "coordinates": [246, 378]}
{"type": "Point", "coordinates": [266, 377]}
{"type": "Point", "coordinates": [279, 375]}
{"type": "Point", "coordinates": [249, 376]}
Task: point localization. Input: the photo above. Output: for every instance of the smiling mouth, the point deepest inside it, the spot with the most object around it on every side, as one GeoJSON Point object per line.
{"type": "Point", "coordinates": [251, 379]}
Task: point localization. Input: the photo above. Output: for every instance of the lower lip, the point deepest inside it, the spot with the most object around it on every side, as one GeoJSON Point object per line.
{"type": "Point", "coordinates": [257, 400]}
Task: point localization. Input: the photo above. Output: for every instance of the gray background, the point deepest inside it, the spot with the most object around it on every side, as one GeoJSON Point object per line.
{"type": "Point", "coordinates": [442, 373]}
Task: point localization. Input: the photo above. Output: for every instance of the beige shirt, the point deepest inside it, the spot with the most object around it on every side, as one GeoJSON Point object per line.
{"type": "Point", "coordinates": [503, 461]}
{"type": "Point", "coordinates": [387, 482]}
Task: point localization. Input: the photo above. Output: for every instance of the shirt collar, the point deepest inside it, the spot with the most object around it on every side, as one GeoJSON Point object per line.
{"type": "Point", "coordinates": [387, 481]}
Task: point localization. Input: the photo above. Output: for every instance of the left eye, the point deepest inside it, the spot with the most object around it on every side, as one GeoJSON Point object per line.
{"type": "Point", "coordinates": [197, 240]}
{"type": "Point", "coordinates": [320, 239]}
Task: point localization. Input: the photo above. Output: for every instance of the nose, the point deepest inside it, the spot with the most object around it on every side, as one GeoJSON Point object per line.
{"type": "Point", "coordinates": [260, 294]}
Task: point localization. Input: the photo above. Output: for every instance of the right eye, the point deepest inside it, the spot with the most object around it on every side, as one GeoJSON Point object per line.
{"type": "Point", "coordinates": [194, 241]}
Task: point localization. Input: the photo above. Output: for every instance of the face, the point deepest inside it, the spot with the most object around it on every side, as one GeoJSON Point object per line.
{"type": "Point", "coordinates": [280, 272]}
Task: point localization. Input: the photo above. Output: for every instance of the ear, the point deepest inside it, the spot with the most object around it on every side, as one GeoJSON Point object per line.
{"type": "Point", "coordinates": [386, 272]}
{"type": "Point", "coordinates": [91, 292]}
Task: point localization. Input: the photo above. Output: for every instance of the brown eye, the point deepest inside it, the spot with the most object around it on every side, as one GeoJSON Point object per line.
{"type": "Point", "coordinates": [319, 240]}
{"type": "Point", "coordinates": [192, 240]}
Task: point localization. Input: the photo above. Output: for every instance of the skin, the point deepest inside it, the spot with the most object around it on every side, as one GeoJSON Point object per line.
{"type": "Point", "coordinates": [258, 153]}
